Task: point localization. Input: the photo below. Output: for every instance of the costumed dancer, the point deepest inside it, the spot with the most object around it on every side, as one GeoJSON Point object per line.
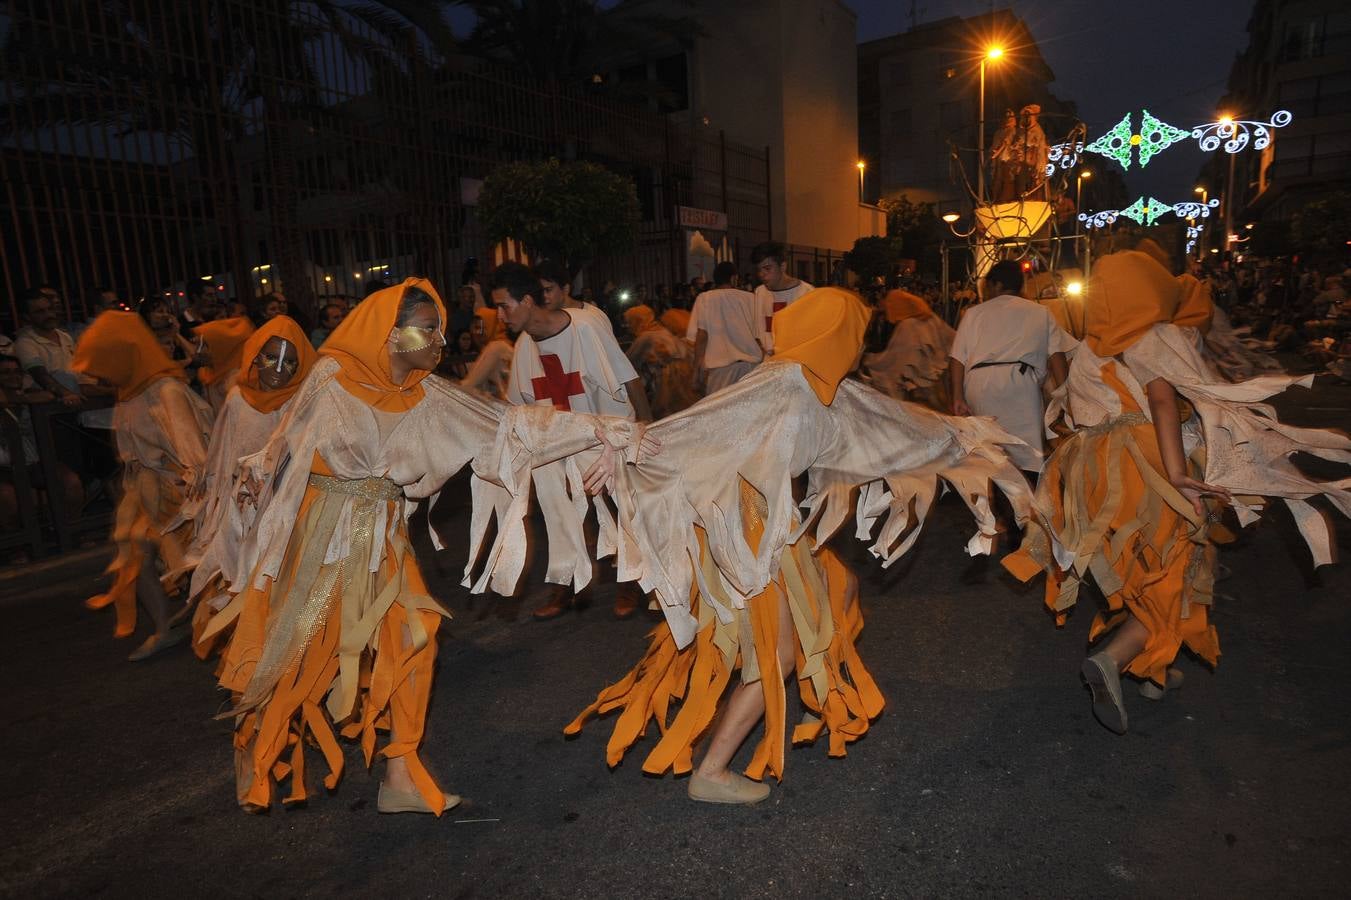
{"type": "Point", "coordinates": [915, 362]}
{"type": "Point", "coordinates": [491, 369]}
{"type": "Point", "coordinates": [1125, 497]}
{"type": "Point", "coordinates": [278, 357]}
{"type": "Point", "coordinates": [746, 583]}
{"type": "Point", "coordinates": [662, 361]}
{"type": "Point", "coordinates": [161, 428]}
{"type": "Point", "coordinates": [223, 340]}
{"type": "Point", "coordinates": [676, 321]}
{"type": "Point", "coordinates": [334, 626]}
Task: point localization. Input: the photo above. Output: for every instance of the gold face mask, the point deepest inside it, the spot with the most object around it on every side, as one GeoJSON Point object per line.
{"type": "Point", "coordinates": [412, 338]}
{"type": "Point", "coordinates": [285, 360]}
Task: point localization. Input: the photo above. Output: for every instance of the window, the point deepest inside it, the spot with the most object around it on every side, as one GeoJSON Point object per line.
{"type": "Point", "coordinates": [1303, 40]}
{"type": "Point", "coordinates": [673, 76]}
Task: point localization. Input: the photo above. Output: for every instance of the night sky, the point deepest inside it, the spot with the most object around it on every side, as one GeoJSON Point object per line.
{"type": "Point", "coordinates": [1113, 58]}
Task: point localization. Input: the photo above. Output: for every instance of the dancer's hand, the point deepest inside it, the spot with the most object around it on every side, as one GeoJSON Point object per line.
{"type": "Point", "coordinates": [600, 475]}
{"type": "Point", "coordinates": [959, 408]}
{"type": "Point", "coordinates": [1194, 490]}
{"type": "Point", "coordinates": [648, 445]}
{"type": "Point", "coordinates": [249, 490]}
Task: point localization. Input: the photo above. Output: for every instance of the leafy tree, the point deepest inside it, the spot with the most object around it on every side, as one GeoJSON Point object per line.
{"type": "Point", "coordinates": [873, 258]}
{"type": "Point", "coordinates": [572, 211]}
{"type": "Point", "coordinates": [919, 231]}
{"type": "Point", "coordinates": [1322, 227]}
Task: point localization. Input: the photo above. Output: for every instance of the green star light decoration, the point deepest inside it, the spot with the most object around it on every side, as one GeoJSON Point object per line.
{"type": "Point", "coordinates": [1154, 136]}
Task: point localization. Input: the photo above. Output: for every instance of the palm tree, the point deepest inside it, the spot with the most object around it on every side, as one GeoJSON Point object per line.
{"type": "Point", "coordinates": [204, 77]}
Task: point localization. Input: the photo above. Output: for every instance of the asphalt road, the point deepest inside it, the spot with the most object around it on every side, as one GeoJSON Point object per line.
{"type": "Point", "coordinates": [986, 775]}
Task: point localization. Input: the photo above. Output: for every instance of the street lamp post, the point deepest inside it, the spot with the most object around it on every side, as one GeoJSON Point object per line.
{"type": "Point", "coordinates": [1227, 128]}
{"type": "Point", "coordinates": [990, 54]}
{"type": "Point", "coordinates": [861, 166]}
{"type": "Point", "coordinates": [1079, 196]}
{"type": "Point", "coordinates": [1205, 197]}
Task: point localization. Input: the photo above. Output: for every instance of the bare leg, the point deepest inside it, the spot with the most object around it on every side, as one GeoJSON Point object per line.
{"type": "Point", "coordinates": [1127, 643]}
{"type": "Point", "coordinates": [1102, 673]}
{"type": "Point", "coordinates": [745, 707]}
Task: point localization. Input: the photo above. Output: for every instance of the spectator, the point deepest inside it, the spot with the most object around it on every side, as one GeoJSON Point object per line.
{"type": "Point", "coordinates": [44, 350]}
{"type": "Point", "coordinates": [330, 317]}
{"type": "Point", "coordinates": [100, 300]}
{"type": "Point", "coordinates": [164, 325]}
{"type": "Point", "coordinates": [462, 313]}
{"type": "Point", "coordinates": [204, 305]}
{"type": "Point", "coordinates": [267, 307]}
{"type": "Point", "coordinates": [724, 328]}
{"type": "Point", "coordinates": [15, 398]}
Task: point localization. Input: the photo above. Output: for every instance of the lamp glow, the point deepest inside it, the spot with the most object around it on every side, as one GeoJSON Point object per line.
{"type": "Point", "coordinates": [950, 217]}
{"type": "Point", "coordinates": [994, 53]}
{"type": "Point", "coordinates": [1074, 288]}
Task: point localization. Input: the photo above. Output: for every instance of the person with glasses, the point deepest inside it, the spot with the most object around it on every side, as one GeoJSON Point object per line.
{"type": "Point", "coordinates": [276, 359]}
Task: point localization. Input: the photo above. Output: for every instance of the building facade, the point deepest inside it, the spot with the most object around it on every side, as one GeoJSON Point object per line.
{"type": "Point", "coordinates": [919, 104]}
{"type": "Point", "coordinates": [1298, 59]}
{"type": "Point", "coordinates": [776, 74]}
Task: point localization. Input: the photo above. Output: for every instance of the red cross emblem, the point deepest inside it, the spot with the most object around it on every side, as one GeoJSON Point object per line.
{"type": "Point", "coordinates": [769, 319]}
{"type": "Point", "coordinates": [555, 384]}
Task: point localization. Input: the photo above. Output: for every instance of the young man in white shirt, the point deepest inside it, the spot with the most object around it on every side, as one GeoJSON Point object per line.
{"type": "Point", "coordinates": [44, 350]}
{"type": "Point", "coordinates": [724, 329]}
{"type": "Point", "coordinates": [569, 359]}
{"type": "Point", "coordinates": [777, 288]}
{"type": "Point", "coordinates": [1004, 349]}
{"type": "Point", "coordinates": [556, 281]}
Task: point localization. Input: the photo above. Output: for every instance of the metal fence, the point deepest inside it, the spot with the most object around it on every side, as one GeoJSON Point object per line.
{"type": "Point", "coordinates": [248, 146]}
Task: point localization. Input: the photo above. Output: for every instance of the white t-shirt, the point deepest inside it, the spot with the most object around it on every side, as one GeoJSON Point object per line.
{"type": "Point", "coordinates": [581, 368]}
{"type": "Point", "coordinates": [55, 356]}
{"type": "Point", "coordinates": [1005, 343]}
{"type": "Point", "coordinates": [769, 302]}
{"type": "Point", "coordinates": [729, 317]}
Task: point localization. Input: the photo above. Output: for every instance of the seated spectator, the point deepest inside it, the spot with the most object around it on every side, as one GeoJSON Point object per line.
{"type": "Point", "coordinates": [44, 350]}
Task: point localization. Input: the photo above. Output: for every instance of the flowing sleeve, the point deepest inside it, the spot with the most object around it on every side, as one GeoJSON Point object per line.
{"type": "Point", "coordinates": [900, 457]}
{"type": "Point", "coordinates": [504, 443]}
{"type": "Point", "coordinates": [184, 421]}
{"type": "Point", "coordinates": [1247, 449]}
{"type": "Point", "coordinates": [766, 429]}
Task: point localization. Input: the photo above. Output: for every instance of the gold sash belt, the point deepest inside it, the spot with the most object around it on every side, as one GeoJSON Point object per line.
{"type": "Point", "coordinates": [369, 488]}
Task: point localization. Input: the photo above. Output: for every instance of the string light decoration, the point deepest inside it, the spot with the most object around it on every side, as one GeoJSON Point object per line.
{"type": "Point", "coordinates": [1147, 212]}
{"type": "Point", "coordinates": [1063, 156]}
{"type": "Point", "coordinates": [1124, 144]}
{"type": "Point", "coordinates": [1234, 133]}
{"type": "Point", "coordinates": [1154, 136]}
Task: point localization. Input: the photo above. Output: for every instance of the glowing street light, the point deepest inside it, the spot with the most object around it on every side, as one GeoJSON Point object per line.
{"type": "Point", "coordinates": [1074, 288]}
{"type": "Point", "coordinates": [991, 54]}
{"type": "Point", "coordinates": [861, 166]}
{"type": "Point", "coordinates": [951, 217]}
